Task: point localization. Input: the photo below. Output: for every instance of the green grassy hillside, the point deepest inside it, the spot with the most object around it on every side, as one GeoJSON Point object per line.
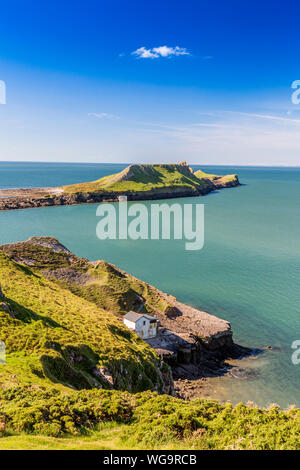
{"type": "Point", "coordinates": [53, 335]}
{"type": "Point", "coordinates": [101, 283]}
{"type": "Point", "coordinates": [146, 178]}
{"type": "Point", "coordinates": [218, 181]}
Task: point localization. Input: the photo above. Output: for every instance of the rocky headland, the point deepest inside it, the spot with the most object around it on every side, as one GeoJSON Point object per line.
{"type": "Point", "coordinates": [137, 182]}
{"type": "Point", "coordinates": [191, 344]}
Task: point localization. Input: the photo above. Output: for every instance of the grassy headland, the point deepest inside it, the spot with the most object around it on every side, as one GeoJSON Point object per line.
{"type": "Point", "coordinates": [66, 350]}
{"type": "Point", "coordinates": [53, 335]}
{"type": "Point", "coordinates": [137, 182]}
{"type": "Point", "coordinates": [144, 178]}
{"type": "Point", "coordinates": [147, 178]}
{"type": "Point", "coordinates": [224, 181]}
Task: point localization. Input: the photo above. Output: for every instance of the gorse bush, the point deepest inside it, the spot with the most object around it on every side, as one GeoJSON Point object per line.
{"type": "Point", "coordinates": [53, 413]}
{"type": "Point", "coordinates": [151, 420]}
{"type": "Point", "coordinates": [207, 424]}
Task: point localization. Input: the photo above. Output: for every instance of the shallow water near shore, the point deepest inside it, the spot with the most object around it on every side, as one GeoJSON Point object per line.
{"type": "Point", "coordinates": [248, 271]}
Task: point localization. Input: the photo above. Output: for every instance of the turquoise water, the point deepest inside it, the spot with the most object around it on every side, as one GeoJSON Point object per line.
{"type": "Point", "coordinates": [248, 271]}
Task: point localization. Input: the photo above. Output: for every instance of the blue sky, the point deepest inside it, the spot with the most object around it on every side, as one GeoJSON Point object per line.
{"type": "Point", "coordinates": [128, 81]}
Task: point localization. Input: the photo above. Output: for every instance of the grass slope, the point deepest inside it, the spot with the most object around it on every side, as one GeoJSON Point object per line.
{"type": "Point", "coordinates": [216, 179]}
{"type": "Point", "coordinates": [101, 283]}
{"type": "Point", "coordinates": [146, 178]}
{"type": "Point", "coordinates": [52, 335]}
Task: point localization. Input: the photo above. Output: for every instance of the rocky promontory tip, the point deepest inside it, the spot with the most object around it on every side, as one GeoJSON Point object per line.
{"type": "Point", "coordinates": [137, 182]}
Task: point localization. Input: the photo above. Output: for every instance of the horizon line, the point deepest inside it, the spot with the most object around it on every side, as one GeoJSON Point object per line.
{"type": "Point", "coordinates": [155, 163]}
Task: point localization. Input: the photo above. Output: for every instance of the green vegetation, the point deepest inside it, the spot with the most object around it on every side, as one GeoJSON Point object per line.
{"type": "Point", "coordinates": [65, 349]}
{"type": "Point", "coordinates": [101, 283]}
{"type": "Point", "coordinates": [54, 336]}
{"type": "Point", "coordinates": [202, 174]}
{"type": "Point", "coordinates": [31, 417]}
{"type": "Point", "coordinates": [216, 179]}
{"type": "Point", "coordinates": [135, 182]}
{"type": "Point", "coordinates": [145, 178]}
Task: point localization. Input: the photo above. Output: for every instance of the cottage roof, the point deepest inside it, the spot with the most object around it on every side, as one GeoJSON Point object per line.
{"type": "Point", "coordinates": [134, 316]}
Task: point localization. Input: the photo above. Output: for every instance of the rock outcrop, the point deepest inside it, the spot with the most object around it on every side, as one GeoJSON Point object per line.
{"type": "Point", "coordinates": [189, 336]}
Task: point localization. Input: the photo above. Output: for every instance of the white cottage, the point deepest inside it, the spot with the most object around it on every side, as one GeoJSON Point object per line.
{"type": "Point", "coordinates": [144, 325]}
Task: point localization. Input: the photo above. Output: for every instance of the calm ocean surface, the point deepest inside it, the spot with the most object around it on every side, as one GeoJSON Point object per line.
{"type": "Point", "coordinates": [248, 271]}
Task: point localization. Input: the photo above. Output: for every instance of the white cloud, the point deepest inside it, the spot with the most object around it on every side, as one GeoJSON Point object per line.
{"type": "Point", "coordinates": [273, 118]}
{"type": "Point", "coordinates": [166, 51]}
{"type": "Point", "coordinates": [145, 53]}
{"type": "Point", "coordinates": [102, 115]}
{"type": "Point", "coordinates": [161, 51]}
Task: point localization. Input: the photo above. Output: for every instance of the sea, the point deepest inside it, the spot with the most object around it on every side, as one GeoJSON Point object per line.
{"type": "Point", "coordinates": [248, 271]}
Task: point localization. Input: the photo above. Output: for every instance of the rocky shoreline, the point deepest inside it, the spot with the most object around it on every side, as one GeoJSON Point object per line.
{"type": "Point", "coordinates": [198, 347]}
{"type": "Point", "coordinates": [202, 379]}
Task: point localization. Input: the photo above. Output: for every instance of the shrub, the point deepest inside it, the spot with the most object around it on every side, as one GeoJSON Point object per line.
{"type": "Point", "coordinates": [52, 412]}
